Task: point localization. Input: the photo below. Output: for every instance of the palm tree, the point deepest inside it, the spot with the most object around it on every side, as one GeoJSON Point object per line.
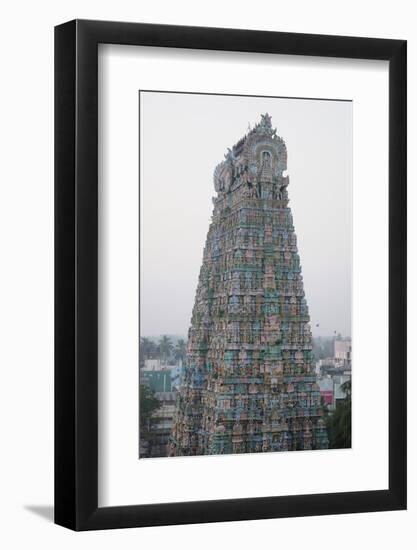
{"type": "Point", "coordinates": [339, 425]}
{"type": "Point", "coordinates": [165, 347]}
{"type": "Point", "coordinates": [147, 349]}
{"type": "Point", "coordinates": [180, 350]}
{"type": "Point", "coordinates": [346, 388]}
{"type": "Point", "coordinates": [148, 404]}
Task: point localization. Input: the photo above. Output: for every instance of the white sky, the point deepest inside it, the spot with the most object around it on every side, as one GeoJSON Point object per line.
{"type": "Point", "coordinates": [183, 137]}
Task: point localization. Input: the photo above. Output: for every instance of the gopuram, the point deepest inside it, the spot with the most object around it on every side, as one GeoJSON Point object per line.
{"type": "Point", "coordinates": [249, 383]}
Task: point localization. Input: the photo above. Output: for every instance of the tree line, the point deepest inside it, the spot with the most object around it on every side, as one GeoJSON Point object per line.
{"type": "Point", "coordinates": [164, 349]}
{"type": "Point", "coordinates": [339, 424]}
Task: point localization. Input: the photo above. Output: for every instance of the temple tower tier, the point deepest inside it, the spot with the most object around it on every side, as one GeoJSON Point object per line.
{"type": "Point", "coordinates": [249, 383]}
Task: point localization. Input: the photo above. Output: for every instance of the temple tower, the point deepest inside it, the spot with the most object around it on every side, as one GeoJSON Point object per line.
{"type": "Point", "coordinates": [249, 383]}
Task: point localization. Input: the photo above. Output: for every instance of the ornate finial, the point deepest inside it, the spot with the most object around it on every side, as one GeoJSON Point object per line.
{"type": "Point", "coordinates": [266, 120]}
{"type": "Point", "coordinates": [264, 127]}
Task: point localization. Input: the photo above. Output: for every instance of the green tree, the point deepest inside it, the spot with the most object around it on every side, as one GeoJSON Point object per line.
{"type": "Point", "coordinates": [180, 350]}
{"type": "Point", "coordinates": [339, 424]}
{"type": "Point", "coordinates": [147, 349]}
{"type": "Point", "coordinates": [165, 347]}
{"type": "Point", "coordinates": [148, 404]}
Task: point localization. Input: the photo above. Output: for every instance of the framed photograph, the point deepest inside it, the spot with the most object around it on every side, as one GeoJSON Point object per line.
{"type": "Point", "coordinates": [230, 253]}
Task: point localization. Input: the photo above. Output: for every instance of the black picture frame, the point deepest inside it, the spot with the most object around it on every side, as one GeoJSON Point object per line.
{"type": "Point", "coordinates": [76, 273]}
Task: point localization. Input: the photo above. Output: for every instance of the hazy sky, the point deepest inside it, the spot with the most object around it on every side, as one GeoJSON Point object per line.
{"type": "Point", "coordinates": [183, 137]}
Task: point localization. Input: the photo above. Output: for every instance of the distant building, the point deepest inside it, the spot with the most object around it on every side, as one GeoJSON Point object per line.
{"type": "Point", "coordinates": [161, 378]}
{"type": "Point", "coordinates": [338, 383]}
{"type": "Point", "coordinates": [176, 376]}
{"type": "Point", "coordinates": [340, 363]}
{"type": "Point", "coordinates": [164, 381]}
{"type": "Point", "coordinates": [322, 365]}
{"type": "Point", "coordinates": [326, 390]}
{"type": "Point", "coordinates": [158, 380]}
{"type": "Point", "coordinates": [343, 353]}
{"type": "Point", "coordinates": [331, 387]}
{"type": "Point", "coordinates": [152, 364]}
{"type": "Point", "coordinates": [162, 421]}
